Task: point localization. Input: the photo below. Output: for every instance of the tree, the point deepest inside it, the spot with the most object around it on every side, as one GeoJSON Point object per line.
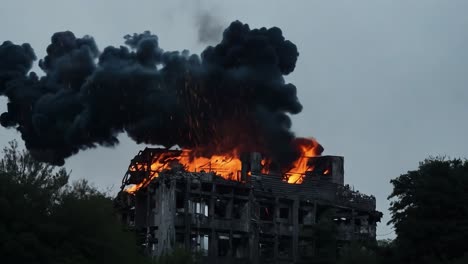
{"type": "Point", "coordinates": [357, 253]}
{"type": "Point", "coordinates": [179, 256]}
{"type": "Point", "coordinates": [43, 219]}
{"type": "Point", "coordinates": [28, 192]}
{"type": "Point", "coordinates": [430, 211]}
{"type": "Point", "coordinates": [325, 232]}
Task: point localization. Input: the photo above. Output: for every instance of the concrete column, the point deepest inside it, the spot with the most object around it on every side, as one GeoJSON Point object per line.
{"type": "Point", "coordinates": [295, 224]}
{"type": "Point", "coordinates": [314, 246]}
{"type": "Point", "coordinates": [213, 249]}
{"type": "Point", "coordinates": [353, 224]}
{"type": "Point", "coordinates": [148, 216]}
{"type": "Point", "coordinates": [253, 230]}
{"type": "Point", "coordinates": [276, 228]}
{"type": "Point", "coordinates": [229, 208]}
{"type": "Point", "coordinates": [187, 216]}
{"type": "Point", "coordinates": [230, 251]}
{"type": "Point", "coordinates": [315, 212]}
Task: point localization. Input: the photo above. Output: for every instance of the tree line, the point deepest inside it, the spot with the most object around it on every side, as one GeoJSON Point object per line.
{"type": "Point", "coordinates": [46, 219]}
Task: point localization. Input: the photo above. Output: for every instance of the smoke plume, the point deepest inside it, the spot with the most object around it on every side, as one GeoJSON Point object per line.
{"type": "Point", "coordinates": [210, 27]}
{"type": "Point", "coordinates": [232, 96]}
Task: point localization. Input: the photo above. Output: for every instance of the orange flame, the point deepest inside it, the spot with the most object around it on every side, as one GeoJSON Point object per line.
{"type": "Point", "coordinates": [226, 165]}
{"type": "Point", "coordinates": [308, 148]}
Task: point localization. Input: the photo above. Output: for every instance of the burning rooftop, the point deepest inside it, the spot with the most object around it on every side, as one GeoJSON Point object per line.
{"type": "Point", "coordinates": [227, 166]}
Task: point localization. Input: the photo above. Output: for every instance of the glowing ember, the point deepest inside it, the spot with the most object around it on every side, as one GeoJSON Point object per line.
{"type": "Point", "coordinates": [226, 165]}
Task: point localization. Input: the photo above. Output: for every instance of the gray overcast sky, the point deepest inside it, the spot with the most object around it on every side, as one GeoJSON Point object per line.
{"type": "Point", "coordinates": [383, 83]}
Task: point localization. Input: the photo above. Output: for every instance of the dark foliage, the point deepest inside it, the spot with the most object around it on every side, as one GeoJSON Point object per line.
{"type": "Point", "coordinates": [430, 211]}
{"type": "Point", "coordinates": [430, 215]}
{"type": "Point", "coordinates": [179, 256]}
{"type": "Point", "coordinates": [325, 232]}
{"type": "Point", "coordinates": [45, 220]}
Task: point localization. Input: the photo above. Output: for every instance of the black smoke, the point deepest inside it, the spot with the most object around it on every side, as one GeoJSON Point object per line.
{"type": "Point", "coordinates": [233, 95]}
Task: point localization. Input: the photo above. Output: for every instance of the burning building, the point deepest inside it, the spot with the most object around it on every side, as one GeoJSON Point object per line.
{"type": "Point", "coordinates": [217, 195]}
{"type": "Point", "coordinates": [240, 209]}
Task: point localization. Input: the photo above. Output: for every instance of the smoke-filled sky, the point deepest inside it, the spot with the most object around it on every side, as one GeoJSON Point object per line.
{"type": "Point", "coordinates": [383, 83]}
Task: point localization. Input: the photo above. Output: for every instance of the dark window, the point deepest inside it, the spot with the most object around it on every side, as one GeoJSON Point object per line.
{"type": "Point", "coordinates": [179, 200]}
{"type": "Point", "coordinates": [220, 208]}
{"type": "Point", "coordinates": [284, 213]}
{"type": "Point", "coordinates": [223, 245]}
{"type": "Point", "coordinates": [266, 213]}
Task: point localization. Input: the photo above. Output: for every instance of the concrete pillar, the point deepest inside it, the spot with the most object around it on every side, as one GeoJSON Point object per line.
{"type": "Point", "coordinates": [245, 167]}
{"type": "Point", "coordinates": [315, 212]}
{"type": "Point", "coordinates": [148, 217]}
{"type": "Point", "coordinates": [187, 216]}
{"type": "Point", "coordinates": [255, 162]}
{"type": "Point", "coordinates": [276, 228]}
{"type": "Point", "coordinates": [253, 230]}
{"type": "Point", "coordinates": [230, 250]}
{"type": "Point", "coordinates": [353, 224]}
{"type": "Point", "coordinates": [212, 247]}
{"type": "Point", "coordinates": [295, 224]}
{"type": "Point", "coordinates": [229, 208]}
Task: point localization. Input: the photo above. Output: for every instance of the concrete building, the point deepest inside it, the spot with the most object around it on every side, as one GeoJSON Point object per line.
{"type": "Point", "coordinates": [256, 219]}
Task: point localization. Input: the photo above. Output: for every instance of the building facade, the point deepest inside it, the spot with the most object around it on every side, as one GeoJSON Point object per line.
{"type": "Point", "coordinates": [259, 218]}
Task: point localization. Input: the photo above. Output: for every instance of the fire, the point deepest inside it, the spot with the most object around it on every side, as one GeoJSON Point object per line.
{"type": "Point", "coordinates": [226, 165]}
{"type": "Point", "coordinates": [308, 148]}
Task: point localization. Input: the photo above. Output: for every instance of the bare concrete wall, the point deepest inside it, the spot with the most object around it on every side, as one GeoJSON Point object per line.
{"type": "Point", "coordinates": [164, 216]}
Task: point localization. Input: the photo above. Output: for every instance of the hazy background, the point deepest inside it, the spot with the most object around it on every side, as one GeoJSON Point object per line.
{"type": "Point", "coordinates": [383, 83]}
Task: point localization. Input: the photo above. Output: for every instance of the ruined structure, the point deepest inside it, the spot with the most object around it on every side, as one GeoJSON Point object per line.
{"type": "Point", "coordinates": [255, 218]}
